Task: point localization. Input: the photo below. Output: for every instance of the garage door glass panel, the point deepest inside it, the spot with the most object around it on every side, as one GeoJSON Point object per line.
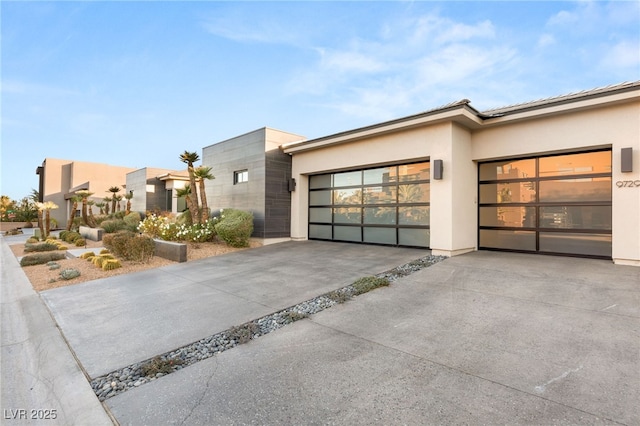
{"type": "Point", "coordinates": [513, 217]}
{"type": "Point", "coordinates": [347, 233]}
{"type": "Point", "coordinates": [347, 196]}
{"type": "Point", "coordinates": [380, 235]}
{"type": "Point", "coordinates": [413, 237]}
{"type": "Point", "coordinates": [512, 192]}
{"type": "Point", "coordinates": [381, 175]}
{"type": "Point", "coordinates": [320, 181]}
{"type": "Point", "coordinates": [347, 215]}
{"type": "Point", "coordinates": [380, 215]}
{"type": "Point", "coordinates": [414, 215]}
{"type": "Point", "coordinates": [575, 217]}
{"type": "Point", "coordinates": [508, 169]}
{"type": "Point", "coordinates": [322, 232]}
{"type": "Point", "coordinates": [380, 195]}
{"type": "Point", "coordinates": [575, 190]}
{"type": "Point", "coordinates": [513, 240]}
{"type": "Point", "coordinates": [320, 214]}
{"type": "Point", "coordinates": [584, 244]}
{"type": "Point", "coordinates": [347, 179]}
{"type": "Point", "coordinates": [320, 198]}
{"type": "Point", "coordinates": [414, 193]}
{"type": "Point", "coordinates": [417, 171]}
{"type": "Point", "coordinates": [576, 164]}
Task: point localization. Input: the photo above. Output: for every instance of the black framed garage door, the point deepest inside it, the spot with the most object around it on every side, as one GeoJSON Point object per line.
{"type": "Point", "coordinates": [383, 205]}
{"type": "Point", "coordinates": [559, 204]}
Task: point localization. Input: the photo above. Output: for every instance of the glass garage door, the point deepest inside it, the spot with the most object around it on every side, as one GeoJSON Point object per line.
{"type": "Point", "coordinates": [386, 205]}
{"type": "Point", "coordinates": [557, 204]}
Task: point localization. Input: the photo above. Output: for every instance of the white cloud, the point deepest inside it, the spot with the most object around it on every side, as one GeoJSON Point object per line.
{"type": "Point", "coordinates": [546, 40]}
{"type": "Point", "coordinates": [622, 55]}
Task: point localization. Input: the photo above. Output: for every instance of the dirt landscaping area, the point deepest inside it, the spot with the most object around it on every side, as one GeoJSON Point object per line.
{"type": "Point", "coordinates": [43, 278]}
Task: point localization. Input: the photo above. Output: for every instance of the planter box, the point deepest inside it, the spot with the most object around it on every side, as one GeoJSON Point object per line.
{"type": "Point", "coordinates": [176, 252]}
{"type": "Point", "coordinates": [93, 234]}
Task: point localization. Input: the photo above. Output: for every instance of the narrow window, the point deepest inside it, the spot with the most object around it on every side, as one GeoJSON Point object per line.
{"type": "Point", "coordinates": [240, 176]}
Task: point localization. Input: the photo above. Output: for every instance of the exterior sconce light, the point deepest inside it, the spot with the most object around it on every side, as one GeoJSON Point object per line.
{"type": "Point", "coordinates": [626, 160]}
{"type": "Point", "coordinates": [437, 169]}
{"type": "Point", "coordinates": [292, 184]}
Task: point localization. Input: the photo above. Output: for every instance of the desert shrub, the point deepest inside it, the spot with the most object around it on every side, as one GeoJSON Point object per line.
{"type": "Point", "coordinates": [159, 365]}
{"type": "Point", "coordinates": [113, 225]}
{"type": "Point", "coordinates": [366, 284]}
{"type": "Point", "coordinates": [72, 236]}
{"type": "Point", "coordinates": [235, 227]}
{"type": "Point", "coordinates": [41, 258]}
{"type": "Point", "coordinates": [53, 265]}
{"type": "Point", "coordinates": [80, 242]}
{"type": "Point", "coordinates": [69, 274]}
{"type": "Point", "coordinates": [111, 264]}
{"type": "Point", "coordinates": [39, 247]}
{"type": "Point", "coordinates": [128, 245]}
{"type": "Point", "coordinates": [339, 296]}
{"type": "Point", "coordinates": [243, 333]}
{"type": "Point", "coordinates": [118, 215]}
{"type": "Point", "coordinates": [62, 235]}
{"type": "Point", "coordinates": [131, 221]}
{"type": "Point", "coordinates": [87, 255]}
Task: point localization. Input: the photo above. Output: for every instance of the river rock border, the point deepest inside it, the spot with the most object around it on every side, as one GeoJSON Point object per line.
{"type": "Point", "coordinates": [132, 376]}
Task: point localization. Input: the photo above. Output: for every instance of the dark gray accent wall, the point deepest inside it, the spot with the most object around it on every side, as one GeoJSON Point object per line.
{"type": "Point", "coordinates": [277, 195]}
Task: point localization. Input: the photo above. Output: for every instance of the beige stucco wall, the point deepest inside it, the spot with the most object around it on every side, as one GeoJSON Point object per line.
{"type": "Point", "coordinates": [615, 127]}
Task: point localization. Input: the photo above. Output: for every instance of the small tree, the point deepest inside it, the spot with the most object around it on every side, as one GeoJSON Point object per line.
{"type": "Point", "coordinates": [189, 158]}
{"type": "Point", "coordinates": [128, 196]}
{"type": "Point", "coordinates": [202, 173]}
{"type": "Point", "coordinates": [113, 190]}
{"type": "Point", "coordinates": [75, 199]}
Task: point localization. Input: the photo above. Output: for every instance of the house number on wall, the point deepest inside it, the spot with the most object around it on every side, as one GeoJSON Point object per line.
{"type": "Point", "coordinates": [628, 183]}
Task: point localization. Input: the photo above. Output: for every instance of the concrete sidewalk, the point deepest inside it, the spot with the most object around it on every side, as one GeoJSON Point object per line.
{"type": "Point", "coordinates": [484, 338]}
{"type": "Point", "coordinates": [40, 377]}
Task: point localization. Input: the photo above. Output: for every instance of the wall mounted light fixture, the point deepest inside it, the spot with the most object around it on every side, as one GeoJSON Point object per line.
{"type": "Point", "coordinates": [437, 169]}
{"type": "Point", "coordinates": [626, 160]}
{"type": "Point", "coordinates": [292, 184]}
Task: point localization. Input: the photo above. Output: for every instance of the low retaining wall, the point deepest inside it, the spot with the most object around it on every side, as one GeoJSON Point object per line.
{"type": "Point", "coordinates": [176, 252]}
{"type": "Point", "coordinates": [93, 234]}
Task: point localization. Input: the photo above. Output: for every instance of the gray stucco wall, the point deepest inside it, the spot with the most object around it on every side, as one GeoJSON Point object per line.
{"type": "Point", "coordinates": [149, 193]}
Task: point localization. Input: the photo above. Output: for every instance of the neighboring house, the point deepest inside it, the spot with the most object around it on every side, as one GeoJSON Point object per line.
{"type": "Point", "coordinates": [60, 179]}
{"type": "Point", "coordinates": [556, 176]}
{"type": "Point", "coordinates": [154, 189]}
{"type": "Point", "coordinates": [252, 173]}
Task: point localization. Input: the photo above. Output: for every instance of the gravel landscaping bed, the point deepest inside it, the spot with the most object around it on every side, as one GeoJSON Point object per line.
{"type": "Point", "coordinates": [137, 374]}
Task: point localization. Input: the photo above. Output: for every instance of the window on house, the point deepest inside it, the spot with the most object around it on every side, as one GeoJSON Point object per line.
{"type": "Point", "coordinates": [240, 176]}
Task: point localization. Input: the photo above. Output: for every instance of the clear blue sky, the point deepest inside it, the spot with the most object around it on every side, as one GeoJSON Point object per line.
{"type": "Point", "coordinates": [136, 83]}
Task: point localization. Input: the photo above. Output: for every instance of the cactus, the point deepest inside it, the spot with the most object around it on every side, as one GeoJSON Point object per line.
{"type": "Point", "coordinates": [111, 264]}
{"type": "Point", "coordinates": [87, 255]}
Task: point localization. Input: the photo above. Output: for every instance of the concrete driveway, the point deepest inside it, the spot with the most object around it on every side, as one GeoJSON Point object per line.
{"type": "Point", "coordinates": [484, 338]}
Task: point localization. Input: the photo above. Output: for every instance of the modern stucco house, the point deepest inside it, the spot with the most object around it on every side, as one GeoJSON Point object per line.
{"type": "Point", "coordinates": [558, 176]}
{"type": "Point", "coordinates": [555, 176]}
{"type": "Point", "coordinates": [60, 179]}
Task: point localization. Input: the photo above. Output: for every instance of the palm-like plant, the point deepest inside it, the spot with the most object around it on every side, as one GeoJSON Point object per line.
{"type": "Point", "coordinates": [75, 199]}
{"type": "Point", "coordinates": [128, 196]}
{"type": "Point", "coordinates": [47, 206]}
{"type": "Point", "coordinates": [100, 205]}
{"type": "Point", "coordinates": [202, 173]}
{"type": "Point", "coordinates": [107, 203]}
{"type": "Point", "coordinates": [189, 158]}
{"type": "Point", "coordinates": [118, 198]}
{"type": "Point", "coordinates": [91, 203]}
{"type": "Point", "coordinates": [84, 194]}
{"type": "Point", "coordinates": [113, 190]}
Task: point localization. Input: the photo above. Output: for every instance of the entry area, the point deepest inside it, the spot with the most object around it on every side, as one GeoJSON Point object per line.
{"type": "Point", "coordinates": [384, 205]}
{"type": "Point", "coordinates": [557, 204]}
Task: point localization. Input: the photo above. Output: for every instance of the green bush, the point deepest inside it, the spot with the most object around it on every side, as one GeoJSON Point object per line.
{"type": "Point", "coordinates": [113, 225]}
{"type": "Point", "coordinates": [46, 246]}
{"type": "Point", "coordinates": [132, 220]}
{"type": "Point", "coordinates": [62, 235]}
{"type": "Point", "coordinates": [235, 227]}
{"type": "Point", "coordinates": [41, 258]}
{"type": "Point", "coordinates": [72, 236]}
{"type": "Point", "coordinates": [366, 284]}
{"type": "Point", "coordinates": [128, 245]}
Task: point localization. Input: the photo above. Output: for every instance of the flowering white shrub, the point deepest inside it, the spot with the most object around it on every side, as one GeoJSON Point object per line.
{"type": "Point", "coordinates": [168, 230]}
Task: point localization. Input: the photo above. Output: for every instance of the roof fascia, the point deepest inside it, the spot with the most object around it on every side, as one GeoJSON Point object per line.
{"type": "Point", "coordinates": [461, 114]}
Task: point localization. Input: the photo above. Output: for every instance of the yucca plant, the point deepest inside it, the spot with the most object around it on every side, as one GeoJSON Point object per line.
{"type": "Point", "coordinates": [202, 173]}
{"type": "Point", "coordinates": [189, 158]}
{"type": "Point", "coordinates": [113, 190]}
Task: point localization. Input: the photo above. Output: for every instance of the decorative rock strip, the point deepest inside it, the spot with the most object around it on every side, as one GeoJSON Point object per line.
{"type": "Point", "coordinates": [134, 375]}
